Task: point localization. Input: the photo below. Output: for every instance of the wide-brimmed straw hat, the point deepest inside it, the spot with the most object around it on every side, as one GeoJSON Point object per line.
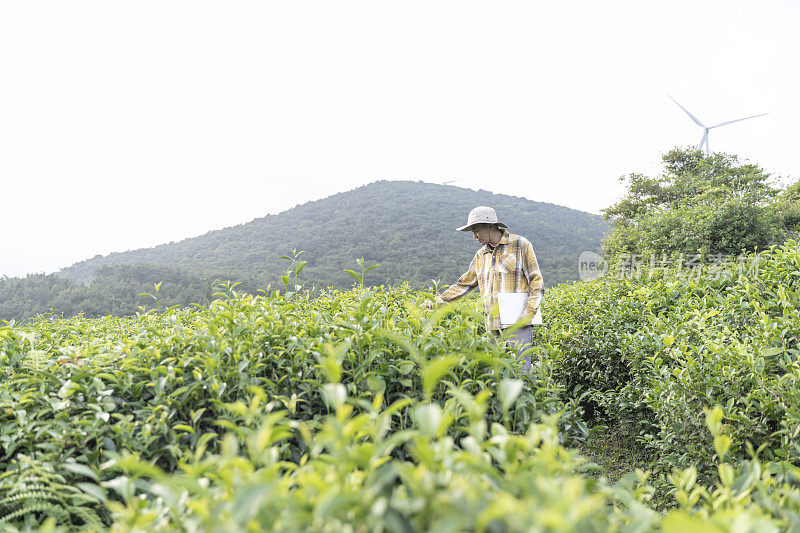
{"type": "Point", "coordinates": [481, 215]}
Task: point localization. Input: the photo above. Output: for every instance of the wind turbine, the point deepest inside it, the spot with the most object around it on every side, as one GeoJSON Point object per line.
{"type": "Point", "coordinates": [704, 140]}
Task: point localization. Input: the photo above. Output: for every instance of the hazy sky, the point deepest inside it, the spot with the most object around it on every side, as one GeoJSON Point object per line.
{"type": "Point", "coordinates": [129, 124]}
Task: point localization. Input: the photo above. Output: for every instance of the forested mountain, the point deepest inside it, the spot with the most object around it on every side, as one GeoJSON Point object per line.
{"type": "Point", "coordinates": [406, 227]}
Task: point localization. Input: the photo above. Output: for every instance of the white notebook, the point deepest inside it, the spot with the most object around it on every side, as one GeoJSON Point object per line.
{"type": "Point", "coordinates": [512, 304]}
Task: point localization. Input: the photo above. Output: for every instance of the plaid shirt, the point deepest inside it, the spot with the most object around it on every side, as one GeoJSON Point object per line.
{"type": "Point", "coordinates": [509, 267]}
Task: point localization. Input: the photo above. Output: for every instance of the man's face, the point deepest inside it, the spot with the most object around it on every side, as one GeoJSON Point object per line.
{"type": "Point", "coordinates": [481, 233]}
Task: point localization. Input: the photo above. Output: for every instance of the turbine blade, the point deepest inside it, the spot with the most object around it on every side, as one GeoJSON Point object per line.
{"type": "Point", "coordinates": [703, 141]}
{"type": "Point", "coordinates": [690, 115]}
{"type": "Point", "coordinates": [737, 120]}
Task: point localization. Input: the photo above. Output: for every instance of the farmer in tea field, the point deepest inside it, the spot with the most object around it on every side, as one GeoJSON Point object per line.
{"type": "Point", "coordinates": [507, 274]}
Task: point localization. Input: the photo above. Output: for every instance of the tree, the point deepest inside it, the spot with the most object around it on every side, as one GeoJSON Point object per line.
{"type": "Point", "coordinates": [708, 204]}
{"type": "Point", "coordinates": [788, 204]}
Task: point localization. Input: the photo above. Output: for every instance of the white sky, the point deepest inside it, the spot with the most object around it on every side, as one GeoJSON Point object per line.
{"type": "Point", "coordinates": [129, 124]}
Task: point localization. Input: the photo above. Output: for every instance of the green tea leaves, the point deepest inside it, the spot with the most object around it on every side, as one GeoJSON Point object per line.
{"type": "Point", "coordinates": [508, 392]}
{"type": "Point", "coordinates": [433, 371]}
{"type": "Point", "coordinates": [335, 395]}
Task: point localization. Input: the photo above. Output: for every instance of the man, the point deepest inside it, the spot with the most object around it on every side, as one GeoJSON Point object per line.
{"type": "Point", "coordinates": [505, 271]}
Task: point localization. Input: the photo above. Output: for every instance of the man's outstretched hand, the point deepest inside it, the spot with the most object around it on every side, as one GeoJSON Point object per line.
{"type": "Point", "coordinates": [431, 304]}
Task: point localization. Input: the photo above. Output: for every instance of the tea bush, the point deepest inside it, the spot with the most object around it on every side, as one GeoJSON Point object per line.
{"type": "Point", "coordinates": [161, 385]}
{"type": "Point", "coordinates": [585, 338]}
{"type": "Point", "coordinates": [359, 410]}
{"type": "Point", "coordinates": [349, 480]}
{"type": "Point", "coordinates": [651, 354]}
{"type": "Point", "coordinates": [494, 481]}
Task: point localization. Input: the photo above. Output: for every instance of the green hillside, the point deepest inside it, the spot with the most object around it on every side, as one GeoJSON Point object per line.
{"type": "Point", "coordinates": [406, 227]}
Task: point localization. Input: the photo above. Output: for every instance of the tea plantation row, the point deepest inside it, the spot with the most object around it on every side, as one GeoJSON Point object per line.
{"type": "Point", "coordinates": [360, 411]}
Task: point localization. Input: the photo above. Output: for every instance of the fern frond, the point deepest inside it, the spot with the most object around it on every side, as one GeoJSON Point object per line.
{"type": "Point", "coordinates": [38, 507]}
{"type": "Point", "coordinates": [90, 518]}
{"type": "Point", "coordinates": [40, 495]}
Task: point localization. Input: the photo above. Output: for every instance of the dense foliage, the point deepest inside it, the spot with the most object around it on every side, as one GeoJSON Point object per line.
{"type": "Point", "coordinates": [700, 203]}
{"type": "Point", "coordinates": [267, 371]}
{"type": "Point", "coordinates": [360, 410]}
{"type": "Point", "coordinates": [651, 354]}
{"type": "Point", "coordinates": [408, 228]}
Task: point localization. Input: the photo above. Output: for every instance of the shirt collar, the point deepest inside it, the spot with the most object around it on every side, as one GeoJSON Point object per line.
{"type": "Point", "coordinates": [505, 238]}
{"type": "Point", "coordinates": [488, 248]}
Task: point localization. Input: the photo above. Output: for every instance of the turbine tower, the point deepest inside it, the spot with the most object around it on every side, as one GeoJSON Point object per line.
{"type": "Point", "coordinates": [704, 140]}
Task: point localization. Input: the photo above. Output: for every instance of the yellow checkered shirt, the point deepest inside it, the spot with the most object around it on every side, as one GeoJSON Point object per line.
{"type": "Point", "coordinates": [510, 267]}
